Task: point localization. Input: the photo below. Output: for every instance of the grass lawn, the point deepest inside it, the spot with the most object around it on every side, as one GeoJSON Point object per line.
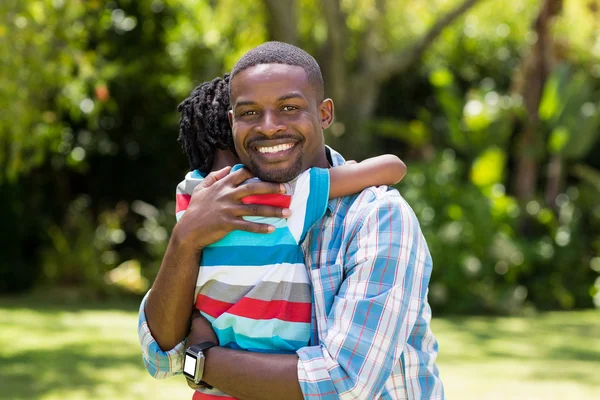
{"type": "Point", "coordinates": [60, 350]}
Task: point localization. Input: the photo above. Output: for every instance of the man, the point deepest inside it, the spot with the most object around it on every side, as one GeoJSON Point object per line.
{"type": "Point", "coordinates": [367, 259]}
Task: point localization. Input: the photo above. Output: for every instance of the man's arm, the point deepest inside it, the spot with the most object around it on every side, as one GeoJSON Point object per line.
{"type": "Point", "coordinates": [247, 375]}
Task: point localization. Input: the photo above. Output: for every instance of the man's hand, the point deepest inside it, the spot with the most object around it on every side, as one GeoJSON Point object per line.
{"type": "Point", "coordinates": [216, 208]}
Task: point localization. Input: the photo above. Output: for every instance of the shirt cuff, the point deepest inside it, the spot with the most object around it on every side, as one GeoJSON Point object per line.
{"type": "Point", "coordinates": [313, 374]}
{"type": "Point", "coordinates": [160, 364]}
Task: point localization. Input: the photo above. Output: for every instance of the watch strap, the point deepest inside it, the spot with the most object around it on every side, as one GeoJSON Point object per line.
{"type": "Point", "coordinates": [202, 346]}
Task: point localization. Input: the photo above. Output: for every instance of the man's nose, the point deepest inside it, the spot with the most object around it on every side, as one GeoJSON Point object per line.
{"type": "Point", "coordinates": [271, 123]}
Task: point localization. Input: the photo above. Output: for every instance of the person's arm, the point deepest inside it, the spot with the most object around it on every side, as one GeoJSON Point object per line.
{"type": "Point", "coordinates": [388, 268]}
{"type": "Point", "coordinates": [352, 178]}
{"type": "Point", "coordinates": [215, 209]}
{"type": "Point", "coordinates": [244, 374]}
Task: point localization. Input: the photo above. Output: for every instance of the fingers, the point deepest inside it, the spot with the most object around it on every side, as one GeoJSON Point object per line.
{"type": "Point", "coordinates": [253, 188]}
{"type": "Point", "coordinates": [351, 162]}
{"type": "Point", "coordinates": [212, 178]}
{"type": "Point", "coordinates": [236, 179]}
{"type": "Point", "coordinates": [240, 176]}
{"type": "Point", "coordinates": [260, 210]}
{"type": "Point", "coordinates": [243, 225]}
{"type": "Point", "coordinates": [246, 189]}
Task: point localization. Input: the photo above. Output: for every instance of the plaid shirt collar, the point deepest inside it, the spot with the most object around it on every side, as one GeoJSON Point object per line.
{"type": "Point", "coordinates": [335, 160]}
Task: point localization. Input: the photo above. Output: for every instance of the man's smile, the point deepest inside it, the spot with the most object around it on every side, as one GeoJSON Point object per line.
{"type": "Point", "coordinates": [274, 150]}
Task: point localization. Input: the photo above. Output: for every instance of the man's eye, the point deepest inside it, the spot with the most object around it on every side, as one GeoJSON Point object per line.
{"type": "Point", "coordinates": [245, 113]}
{"type": "Point", "coordinates": [289, 108]}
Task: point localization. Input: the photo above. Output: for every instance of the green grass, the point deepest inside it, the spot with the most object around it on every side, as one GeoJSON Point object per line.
{"type": "Point", "coordinates": [60, 350]}
{"type": "Point", "coordinates": [550, 356]}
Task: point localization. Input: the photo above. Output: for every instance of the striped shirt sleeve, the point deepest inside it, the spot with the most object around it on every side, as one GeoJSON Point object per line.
{"type": "Point", "coordinates": [316, 184]}
{"type": "Point", "coordinates": [184, 191]}
{"type": "Point", "coordinates": [386, 269]}
{"type": "Point", "coordinates": [160, 364]}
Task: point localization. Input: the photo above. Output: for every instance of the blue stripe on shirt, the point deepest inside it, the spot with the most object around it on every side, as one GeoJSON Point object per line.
{"type": "Point", "coordinates": [251, 255]}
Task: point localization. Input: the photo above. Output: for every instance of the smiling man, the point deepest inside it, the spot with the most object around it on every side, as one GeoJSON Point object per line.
{"type": "Point", "coordinates": [366, 259]}
{"type": "Point", "coordinates": [278, 131]}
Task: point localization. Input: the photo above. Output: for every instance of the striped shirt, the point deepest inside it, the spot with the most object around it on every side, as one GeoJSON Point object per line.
{"type": "Point", "coordinates": [369, 267]}
{"type": "Point", "coordinates": [254, 288]}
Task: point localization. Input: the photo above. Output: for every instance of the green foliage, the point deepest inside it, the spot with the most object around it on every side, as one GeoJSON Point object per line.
{"type": "Point", "coordinates": [481, 264]}
{"type": "Point", "coordinates": [89, 160]}
{"type": "Point", "coordinates": [569, 111]}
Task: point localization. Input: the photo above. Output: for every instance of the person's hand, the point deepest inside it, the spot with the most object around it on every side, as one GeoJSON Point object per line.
{"type": "Point", "coordinates": [201, 331]}
{"type": "Point", "coordinates": [216, 208]}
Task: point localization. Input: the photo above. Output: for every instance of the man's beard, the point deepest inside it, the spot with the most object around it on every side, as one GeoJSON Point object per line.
{"type": "Point", "coordinates": [279, 175]}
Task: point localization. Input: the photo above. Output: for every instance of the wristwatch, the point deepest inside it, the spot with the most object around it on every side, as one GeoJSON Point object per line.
{"type": "Point", "coordinates": [193, 365]}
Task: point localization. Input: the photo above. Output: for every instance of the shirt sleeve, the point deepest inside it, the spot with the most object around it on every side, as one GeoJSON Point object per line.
{"type": "Point", "coordinates": [164, 364]}
{"type": "Point", "coordinates": [312, 190]}
{"type": "Point", "coordinates": [387, 268]}
{"type": "Point", "coordinates": [160, 364]}
{"type": "Point", "coordinates": [184, 191]}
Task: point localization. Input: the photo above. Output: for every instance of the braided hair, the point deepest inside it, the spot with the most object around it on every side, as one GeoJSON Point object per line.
{"type": "Point", "coordinates": [204, 126]}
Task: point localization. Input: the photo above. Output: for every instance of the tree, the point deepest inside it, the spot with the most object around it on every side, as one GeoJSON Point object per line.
{"type": "Point", "coordinates": [358, 61]}
{"type": "Point", "coordinates": [529, 83]}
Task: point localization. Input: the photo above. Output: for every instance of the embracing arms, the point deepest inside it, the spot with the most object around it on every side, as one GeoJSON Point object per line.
{"type": "Point", "coordinates": [352, 177]}
{"type": "Point", "coordinates": [215, 209]}
{"type": "Point", "coordinates": [386, 270]}
{"type": "Point", "coordinates": [370, 317]}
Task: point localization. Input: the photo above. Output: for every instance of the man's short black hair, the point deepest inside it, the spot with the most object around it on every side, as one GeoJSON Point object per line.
{"type": "Point", "coordinates": [204, 126]}
{"type": "Point", "coordinates": [283, 53]}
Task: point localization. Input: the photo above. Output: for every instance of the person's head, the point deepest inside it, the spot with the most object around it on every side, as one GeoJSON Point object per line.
{"type": "Point", "coordinates": [204, 130]}
{"type": "Point", "coordinates": [278, 111]}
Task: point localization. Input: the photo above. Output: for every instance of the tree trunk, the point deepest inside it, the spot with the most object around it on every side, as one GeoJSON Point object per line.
{"type": "Point", "coordinates": [282, 17]}
{"type": "Point", "coordinates": [529, 82]}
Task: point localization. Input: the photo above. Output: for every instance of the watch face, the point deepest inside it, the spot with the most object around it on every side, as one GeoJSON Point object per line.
{"type": "Point", "coordinates": [189, 366]}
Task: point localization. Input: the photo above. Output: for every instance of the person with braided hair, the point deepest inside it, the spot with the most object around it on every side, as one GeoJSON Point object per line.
{"type": "Point", "coordinates": [299, 296]}
{"type": "Point", "coordinates": [204, 128]}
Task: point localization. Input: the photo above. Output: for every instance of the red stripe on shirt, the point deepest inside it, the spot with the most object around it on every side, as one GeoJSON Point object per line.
{"type": "Point", "coordinates": [279, 309]}
{"type": "Point", "coordinates": [210, 306]}
{"type": "Point", "coordinates": [256, 309]}
{"type": "Point", "coordinates": [276, 200]}
{"type": "Point", "coordinates": [181, 202]}
{"type": "Point", "coordinates": [204, 396]}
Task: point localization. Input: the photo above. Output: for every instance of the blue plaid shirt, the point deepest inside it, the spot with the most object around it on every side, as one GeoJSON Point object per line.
{"type": "Point", "coordinates": [371, 339]}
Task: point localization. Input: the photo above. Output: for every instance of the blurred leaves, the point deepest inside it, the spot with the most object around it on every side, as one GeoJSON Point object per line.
{"type": "Point", "coordinates": [570, 108]}
{"type": "Point", "coordinates": [88, 127]}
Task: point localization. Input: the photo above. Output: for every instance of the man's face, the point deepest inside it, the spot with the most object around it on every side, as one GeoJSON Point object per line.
{"type": "Point", "coordinates": [278, 121]}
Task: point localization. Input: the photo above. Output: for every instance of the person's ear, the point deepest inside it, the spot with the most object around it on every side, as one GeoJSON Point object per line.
{"type": "Point", "coordinates": [326, 112]}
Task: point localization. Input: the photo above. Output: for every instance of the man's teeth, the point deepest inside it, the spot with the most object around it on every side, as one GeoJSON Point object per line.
{"type": "Point", "coordinates": [275, 149]}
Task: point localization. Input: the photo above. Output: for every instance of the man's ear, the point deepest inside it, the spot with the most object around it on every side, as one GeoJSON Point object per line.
{"type": "Point", "coordinates": [326, 112]}
{"type": "Point", "coordinates": [230, 118]}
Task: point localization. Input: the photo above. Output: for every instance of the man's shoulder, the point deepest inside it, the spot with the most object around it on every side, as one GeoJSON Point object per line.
{"type": "Point", "coordinates": [379, 196]}
{"type": "Point", "coordinates": [374, 200]}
